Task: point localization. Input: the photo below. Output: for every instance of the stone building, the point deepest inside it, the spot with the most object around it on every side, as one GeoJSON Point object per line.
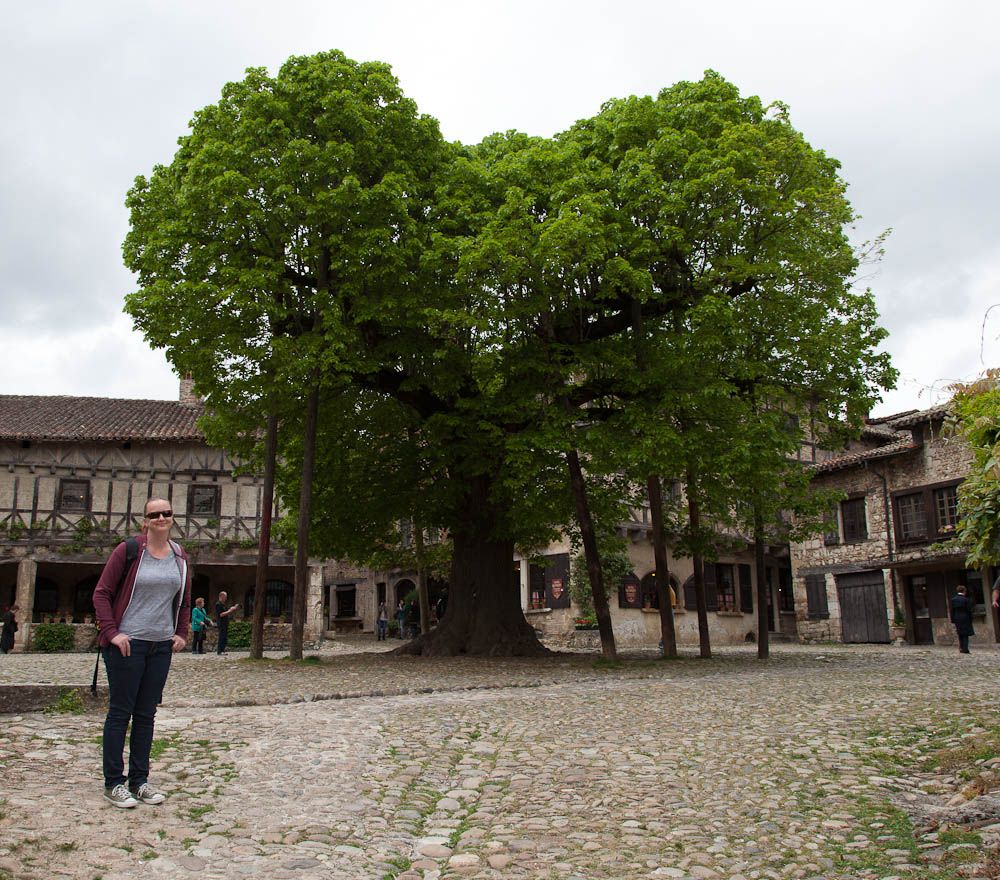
{"type": "Point", "coordinates": [74, 476]}
{"type": "Point", "coordinates": [77, 471]}
{"type": "Point", "coordinates": [884, 567]}
{"type": "Point", "coordinates": [730, 588]}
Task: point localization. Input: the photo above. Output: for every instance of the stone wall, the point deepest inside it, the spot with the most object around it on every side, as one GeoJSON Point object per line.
{"type": "Point", "coordinates": [935, 458]}
{"type": "Point", "coordinates": [640, 627]}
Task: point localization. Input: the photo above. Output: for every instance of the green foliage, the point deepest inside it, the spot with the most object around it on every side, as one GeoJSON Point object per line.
{"type": "Point", "coordinates": [975, 417]}
{"type": "Point", "coordinates": [615, 565]}
{"type": "Point", "coordinates": [435, 559]}
{"type": "Point", "coordinates": [239, 633]}
{"type": "Point", "coordinates": [655, 287]}
{"type": "Point", "coordinates": [69, 702]}
{"type": "Point", "coordinates": [51, 637]}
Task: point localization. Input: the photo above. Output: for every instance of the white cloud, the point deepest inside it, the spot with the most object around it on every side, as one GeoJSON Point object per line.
{"type": "Point", "coordinates": [902, 93]}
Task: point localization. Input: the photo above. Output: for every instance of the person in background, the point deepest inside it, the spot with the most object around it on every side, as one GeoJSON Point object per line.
{"type": "Point", "coordinates": [961, 616]}
{"type": "Point", "coordinates": [200, 621]}
{"type": "Point", "coordinates": [144, 614]}
{"type": "Point", "coordinates": [442, 604]}
{"type": "Point", "coordinates": [8, 630]}
{"type": "Point", "coordinates": [382, 623]}
{"type": "Point", "coordinates": [223, 614]}
{"type": "Point", "coordinates": [401, 618]}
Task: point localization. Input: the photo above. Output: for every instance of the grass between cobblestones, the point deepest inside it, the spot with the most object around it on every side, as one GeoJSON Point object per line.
{"type": "Point", "coordinates": [957, 745]}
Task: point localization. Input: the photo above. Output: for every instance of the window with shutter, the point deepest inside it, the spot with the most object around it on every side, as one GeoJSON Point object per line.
{"type": "Point", "coordinates": [926, 514]}
{"type": "Point", "coordinates": [831, 528]}
{"type": "Point", "coordinates": [711, 595]}
{"type": "Point", "coordinates": [912, 521]}
{"type": "Point", "coordinates": [946, 507]}
{"type": "Point", "coordinates": [746, 590]}
{"type": "Point", "coordinates": [852, 512]}
{"type": "Point", "coordinates": [816, 601]}
{"type": "Point", "coordinates": [725, 587]}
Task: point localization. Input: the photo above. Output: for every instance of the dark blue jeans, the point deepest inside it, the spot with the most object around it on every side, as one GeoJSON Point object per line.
{"type": "Point", "coordinates": [135, 687]}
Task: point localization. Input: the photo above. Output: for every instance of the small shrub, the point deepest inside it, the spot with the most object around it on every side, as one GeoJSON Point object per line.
{"type": "Point", "coordinates": [239, 634]}
{"type": "Point", "coordinates": [50, 637]}
{"type": "Point", "coordinates": [69, 702]}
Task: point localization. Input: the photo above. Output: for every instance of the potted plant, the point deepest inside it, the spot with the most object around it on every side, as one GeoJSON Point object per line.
{"type": "Point", "coordinates": [897, 630]}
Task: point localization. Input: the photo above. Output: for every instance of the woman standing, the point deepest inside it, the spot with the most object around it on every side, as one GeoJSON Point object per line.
{"type": "Point", "coordinates": [199, 622]}
{"type": "Point", "coordinates": [382, 623]}
{"type": "Point", "coordinates": [144, 613]}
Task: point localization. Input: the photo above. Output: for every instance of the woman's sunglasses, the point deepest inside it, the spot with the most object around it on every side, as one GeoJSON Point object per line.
{"type": "Point", "coordinates": [156, 514]}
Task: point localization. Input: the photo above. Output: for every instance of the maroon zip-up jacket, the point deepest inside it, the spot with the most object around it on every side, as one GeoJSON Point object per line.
{"type": "Point", "coordinates": [112, 597]}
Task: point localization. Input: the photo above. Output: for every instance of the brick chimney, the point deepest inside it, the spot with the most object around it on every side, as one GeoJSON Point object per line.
{"type": "Point", "coordinates": [187, 394]}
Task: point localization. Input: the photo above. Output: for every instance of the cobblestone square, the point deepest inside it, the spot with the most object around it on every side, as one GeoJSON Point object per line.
{"type": "Point", "coordinates": [367, 765]}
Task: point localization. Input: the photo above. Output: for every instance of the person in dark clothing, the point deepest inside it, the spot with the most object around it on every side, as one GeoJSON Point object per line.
{"type": "Point", "coordinates": [401, 618]}
{"type": "Point", "coordinates": [9, 628]}
{"type": "Point", "coordinates": [442, 604]}
{"type": "Point", "coordinates": [222, 615]}
{"type": "Point", "coordinates": [961, 616]}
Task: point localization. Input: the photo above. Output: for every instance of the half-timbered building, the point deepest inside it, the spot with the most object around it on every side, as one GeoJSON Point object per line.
{"type": "Point", "coordinates": [75, 474]}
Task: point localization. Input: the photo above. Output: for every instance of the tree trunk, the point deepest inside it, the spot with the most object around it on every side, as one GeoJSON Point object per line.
{"type": "Point", "coordinates": [602, 610]}
{"type": "Point", "coordinates": [694, 518]}
{"type": "Point", "coordinates": [763, 639]}
{"type": "Point", "coordinates": [667, 631]}
{"type": "Point", "coordinates": [305, 512]}
{"type": "Point", "coordinates": [484, 616]}
{"type": "Point", "coordinates": [422, 599]}
{"type": "Point", "coordinates": [264, 548]}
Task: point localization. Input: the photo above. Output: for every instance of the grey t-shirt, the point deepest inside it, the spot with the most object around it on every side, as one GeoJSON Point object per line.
{"type": "Point", "coordinates": [150, 613]}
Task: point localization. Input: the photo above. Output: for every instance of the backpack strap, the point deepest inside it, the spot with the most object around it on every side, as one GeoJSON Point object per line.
{"type": "Point", "coordinates": [131, 553]}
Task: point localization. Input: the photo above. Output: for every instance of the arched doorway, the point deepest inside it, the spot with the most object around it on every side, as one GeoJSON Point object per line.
{"type": "Point", "coordinates": [650, 596]}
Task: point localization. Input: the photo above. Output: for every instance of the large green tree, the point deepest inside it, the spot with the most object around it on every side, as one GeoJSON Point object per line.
{"type": "Point", "coordinates": [290, 215]}
{"type": "Point", "coordinates": [487, 331]}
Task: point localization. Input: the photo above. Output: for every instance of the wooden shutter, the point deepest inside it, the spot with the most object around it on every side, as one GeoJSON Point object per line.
{"type": "Point", "coordinates": [690, 600]}
{"type": "Point", "coordinates": [816, 602]}
{"type": "Point", "coordinates": [557, 581]}
{"type": "Point", "coordinates": [711, 594]}
{"type": "Point", "coordinates": [855, 524]}
{"type": "Point", "coordinates": [937, 592]}
{"type": "Point", "coordinates": [746, 589]}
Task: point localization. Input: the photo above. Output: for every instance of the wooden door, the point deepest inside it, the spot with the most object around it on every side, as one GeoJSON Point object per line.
{"type": "Point", "coordinates": [863, 614]}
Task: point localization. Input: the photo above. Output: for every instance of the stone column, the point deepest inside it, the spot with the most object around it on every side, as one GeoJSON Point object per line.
{"type": "Point", "coordinates": [24, 598]}
{"type": "Point", "coordinates": [314, 623]}
{"type": "Point", "coordinates": [525, 575]}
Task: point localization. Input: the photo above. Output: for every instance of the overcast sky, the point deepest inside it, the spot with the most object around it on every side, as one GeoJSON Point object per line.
{"type": "Point", "coordinates": [902, 93]}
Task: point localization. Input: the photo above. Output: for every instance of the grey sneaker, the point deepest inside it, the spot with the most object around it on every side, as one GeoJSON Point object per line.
{"type": "Point", "coordinates": [120, 797]}
{"type": "Point", "coordinates": [147, 794]}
